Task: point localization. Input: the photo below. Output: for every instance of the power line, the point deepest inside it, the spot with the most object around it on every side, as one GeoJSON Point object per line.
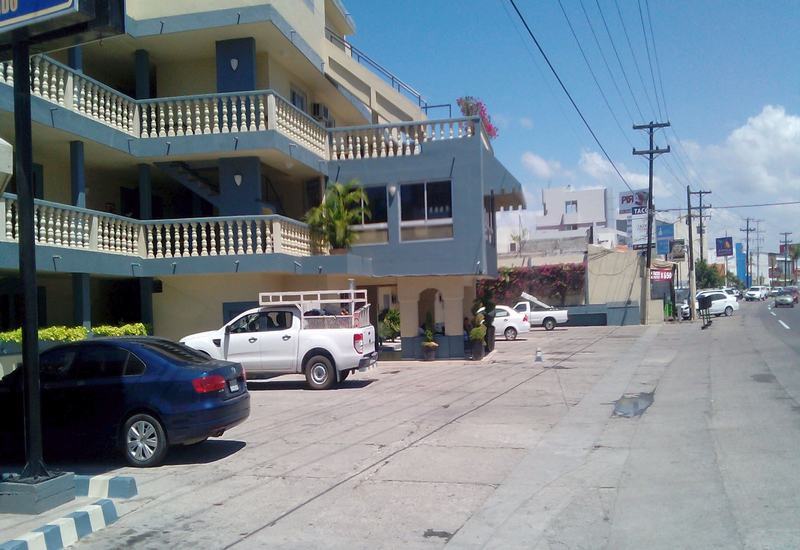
{"type": "Point", "coordinates": [619, 60]}
{"type": "Point", "coordinates": [786, 203]}
{"type": "Point", "coordinates": [563, 87]}
{"type": "Point", "coordinates": [633, 55]}
{"type": "Point", "coordinates": [649, 60]}
{"type": "Point", "coordinates": [605, 61]}
{"type": "Point", "coordinates": [655, 55]}
{"type": "Point", "coordinates": [594, 77]}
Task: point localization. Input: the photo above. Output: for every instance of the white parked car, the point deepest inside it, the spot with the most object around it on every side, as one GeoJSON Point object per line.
{"type": "Point", "coordinates": [721, 302]}
{"type": "Point", "coordinates": [539, 313]}
{"type": "Point", "coordinates": [756, 293]}
{"type": "Point", "coordinates": [292, 333]}
{"type": "Point", "coordinates": [509, 323]}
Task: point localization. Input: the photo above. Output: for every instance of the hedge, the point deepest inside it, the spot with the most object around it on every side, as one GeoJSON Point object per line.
{"type": "Point", "coordinates": [74, 334]}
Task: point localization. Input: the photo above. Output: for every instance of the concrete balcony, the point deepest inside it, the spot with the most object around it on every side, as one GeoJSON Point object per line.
{"type": "Point", "coordinates": [71, 239]}
{"type": "Point", "coordinates": [240, 114]}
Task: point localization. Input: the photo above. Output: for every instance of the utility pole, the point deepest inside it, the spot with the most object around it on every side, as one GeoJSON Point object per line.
{"type": "Point", "coordinates": [651, 153]}
{"type": "Point", "coordinates": [749, 266]}
{"type": "Point", "coordinates": [786, 256]}
{"type": "Point", "coordinates": [692, 283]}
{"type": "Point", "coordinates": [759, 238]}
{"type": "Point", "coordinates": [701, 228]}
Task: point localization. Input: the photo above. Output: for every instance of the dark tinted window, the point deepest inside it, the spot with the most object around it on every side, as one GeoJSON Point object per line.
{"type": "Point", "coordinates": [412, 201]}
{"type": "Point", "coordinates": [99, 362]}
{"type": "Point", "coordinates": [56, 364]}
{"type": "Point", "coordinates": [135, 366]}
{"type": "Point", "coordinates": [377, 204]}
{"type": "Point", "coordinates": [176, 353]}
{"type": "Point", "coordinates": [248, 323]}
{"type": "Point", "coordinates": [439, 200]}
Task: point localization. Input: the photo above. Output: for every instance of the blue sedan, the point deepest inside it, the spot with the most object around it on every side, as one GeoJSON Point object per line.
{"type": "Point", "coordinates": [140, 395]}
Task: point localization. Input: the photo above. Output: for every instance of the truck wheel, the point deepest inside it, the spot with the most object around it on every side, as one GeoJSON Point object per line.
{"type": "Point", "coordinates": [320, 373]}
{"type": "Point", "coordinates": [549, 323]}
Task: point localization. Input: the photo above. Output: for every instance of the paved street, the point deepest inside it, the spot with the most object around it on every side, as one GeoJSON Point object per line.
{"type": "Point", "coordinates": [508, 453]}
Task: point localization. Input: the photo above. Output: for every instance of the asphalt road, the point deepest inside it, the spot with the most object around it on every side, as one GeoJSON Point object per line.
{"type": "Point", "coordinates": [784, 321]}
{"type": "Point", "coordinates": [507, 453]}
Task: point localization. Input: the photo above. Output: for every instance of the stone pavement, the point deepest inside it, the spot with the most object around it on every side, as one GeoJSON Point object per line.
{"type": "Point", "coordinates": [506, 453]}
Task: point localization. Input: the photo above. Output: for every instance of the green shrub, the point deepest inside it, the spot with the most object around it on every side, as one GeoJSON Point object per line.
{"type": "Point", "coordinates": [74, 334]}
{"type": "Point", "coordinates": [132, 329]}
{"type": "Point", "coordinates": [390, 322]}
{"type": "Point", "coordinates": [478, 333]}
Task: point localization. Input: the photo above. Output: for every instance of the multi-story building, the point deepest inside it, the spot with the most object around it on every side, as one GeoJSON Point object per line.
{"type": "Point", "coordinates": [570, 220]}
{"type": "Point", "coordinates": [173, 165]}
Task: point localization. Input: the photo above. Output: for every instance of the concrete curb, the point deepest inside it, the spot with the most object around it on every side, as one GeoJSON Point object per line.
{"type": "Point", "coordinates": [105, 486]}
{"type": "Point", "coordinates": [68, 530]}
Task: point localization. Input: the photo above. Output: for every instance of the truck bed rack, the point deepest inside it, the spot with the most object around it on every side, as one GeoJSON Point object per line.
{"type": "Point", "coordinates": [329, 309]}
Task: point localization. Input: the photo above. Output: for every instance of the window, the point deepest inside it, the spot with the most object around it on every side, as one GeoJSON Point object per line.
{"type": "Point", "coordinates": [100, 362]}
{"type": "Point", "coordinates": [571, 227]}
{"type": "Point", "coordinates": [571, 207]}
{"type": "Point", "coordinates": [377, 205]}
{"type": "Point", "coordinates": [56, 364]}
{"type": "Point", "coordinates": [520, 308]}
{"type": "Point", "coordinates": [134, 366]}
{"type": "Point", "coordinates": [263, 321]}
{"type": "Point", "coordinates": [500, 313]}
{"type": "Point", "coordinates": [298, 98]}
{"type": "Point", "coordinates": [374, 229]}
{"type": "Point", "coordinates": [176, 353]}
{"type": "Point", "coordinates": [426, 211]}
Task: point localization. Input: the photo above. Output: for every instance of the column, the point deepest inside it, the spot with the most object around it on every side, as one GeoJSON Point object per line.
{"type": "Point", "coordinates": [75, 58]}
{"type": "Point", "coordinates": [408, 303]}
{"type": "Point", "coordinates": [145, 193]}
{"type": "Point", "coordinates": [240, 186]}
{"type": "Point", "coordinates": [142, 64]}
{"type": "Point", "coordinates": [77, 173]}
{"type": "Point", "coordinates": [453, 296]}
{"type": "Point", "coordinates": [146, 301]}
{"type": "Point", "coordinates": [81, 300]}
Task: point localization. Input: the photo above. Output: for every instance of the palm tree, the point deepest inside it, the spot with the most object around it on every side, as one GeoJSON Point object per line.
{"type": "Point", "coordinates": [794, 254]}
{"type": "Point", "coordinates": [344, 205]}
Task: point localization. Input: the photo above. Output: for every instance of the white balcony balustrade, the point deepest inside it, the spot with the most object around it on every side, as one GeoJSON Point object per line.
{"type": "Point", "coordinates": [80, 229]}
{"type": "Point", "coordinates": [396, 140]}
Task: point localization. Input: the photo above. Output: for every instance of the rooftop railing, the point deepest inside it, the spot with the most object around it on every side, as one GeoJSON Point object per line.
{"type": "Point", "coordinates": [82, 229]}
{"type": "Point", "coordinates": [367, 61]}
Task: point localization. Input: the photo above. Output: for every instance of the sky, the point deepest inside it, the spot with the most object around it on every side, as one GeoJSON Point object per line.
{"type": "Point", "coordinates": [729, 74]}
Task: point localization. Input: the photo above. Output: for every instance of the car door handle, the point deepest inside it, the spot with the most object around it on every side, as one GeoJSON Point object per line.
{"type": "Point", "coordinates": [286, 337]}
{"type": "Point", "coordinates": [251, 340]}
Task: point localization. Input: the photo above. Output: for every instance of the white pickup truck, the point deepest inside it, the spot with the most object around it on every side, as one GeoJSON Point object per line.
{"type": "Point", "coordinates": [324, 335]}
{"type": "Point", "coordinates": [541, 314]}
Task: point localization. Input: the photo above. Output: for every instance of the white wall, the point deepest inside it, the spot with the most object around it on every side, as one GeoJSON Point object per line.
{"type": "Point", "coordinates": [591, 207]}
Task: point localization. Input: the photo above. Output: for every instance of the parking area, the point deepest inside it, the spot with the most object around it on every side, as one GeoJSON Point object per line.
{"type": "Point", "coordinates": [404, 452]}
{"type": "Point", "coordinates": [503, 453]}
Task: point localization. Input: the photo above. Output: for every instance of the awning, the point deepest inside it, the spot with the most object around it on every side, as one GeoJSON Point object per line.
{"type": "Point", "coordinates": [508, 194]}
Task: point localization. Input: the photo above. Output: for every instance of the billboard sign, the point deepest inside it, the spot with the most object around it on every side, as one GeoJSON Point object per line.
{"type": "Point", "coordinates": [677, 249]}
{"type": "Point", "coordinates": [629, 199]}
{"type": "Point", "coordinates": [661, 274]}
{"type": "Point", "coordinates": [639, 232]}
{"type": "Point", "coordinates": [665, 233]}
{"type": "Point", "coordinates": [20, 13]}
{"type": "Point", "coordinates": [725, 246]}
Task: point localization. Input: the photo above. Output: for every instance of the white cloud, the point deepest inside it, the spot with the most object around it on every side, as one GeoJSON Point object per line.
{"type": "Point", "coordinates": [595, 165]}
{"type": "Point", "coordinates": [758, 162]}
{"type": "Point", "coordinates": [539, 167]}
{"type": "Point", "coordinates": [526, 122]}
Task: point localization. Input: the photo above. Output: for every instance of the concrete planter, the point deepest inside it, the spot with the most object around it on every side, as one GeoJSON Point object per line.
{"type": "Point", "coordinates": [428, 352]}
{"type": "Point", "coordinates": [477, 349]}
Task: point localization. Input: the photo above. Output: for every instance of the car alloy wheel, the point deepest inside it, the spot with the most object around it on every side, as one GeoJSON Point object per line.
{"type": "Point", "coordinates": [145, 443]}
{"type": "Point", "coordinates": [728, 311]}
{"type": "Point", "coordinates": [510, 333]}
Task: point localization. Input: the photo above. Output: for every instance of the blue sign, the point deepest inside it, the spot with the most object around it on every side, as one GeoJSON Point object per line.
{"type": "Point", "coordinates": [725, 246]}
{"type": "Point", "coordinates": [19, 13]}
{"type": "Point", "coordinates": [664, 234]}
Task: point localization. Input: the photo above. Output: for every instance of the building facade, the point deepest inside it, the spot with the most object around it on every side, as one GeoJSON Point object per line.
{"type": "Point", "coordinates": [174, 164]}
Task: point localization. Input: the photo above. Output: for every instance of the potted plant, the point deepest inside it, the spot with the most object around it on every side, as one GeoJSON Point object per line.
{"type": "Point", "coordinates": [429, 346]}
{"type": "Point", "coordinates": [344, 205]}
{"type": "Point", "coordinates": [476, 337]}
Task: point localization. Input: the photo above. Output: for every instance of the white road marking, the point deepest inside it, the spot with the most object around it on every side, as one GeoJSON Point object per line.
{"type": "Point", "coordinates": [772, 313]}
{"type": "Point", "coordinates": [784, 325]}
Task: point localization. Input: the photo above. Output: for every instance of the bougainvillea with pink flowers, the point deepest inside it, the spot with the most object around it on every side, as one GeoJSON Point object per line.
{"type": "Point", "coordinates": [473, 106]}
{"type": "Point", "coordinates": [544, 281]}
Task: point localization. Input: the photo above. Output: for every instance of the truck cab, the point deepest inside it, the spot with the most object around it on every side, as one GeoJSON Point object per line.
{"type": "Point", "coordinates": [539, 313]}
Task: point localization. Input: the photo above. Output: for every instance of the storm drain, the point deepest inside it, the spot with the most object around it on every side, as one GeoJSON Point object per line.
{"type": "Point", "coordinates": [632, 405]}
